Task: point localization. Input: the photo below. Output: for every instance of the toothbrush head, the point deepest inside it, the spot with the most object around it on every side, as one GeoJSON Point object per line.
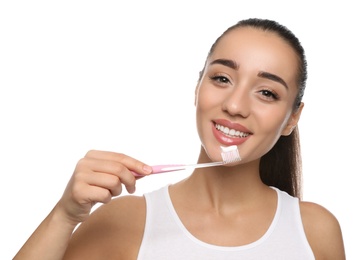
{"type": "Point", "coordinates": [230, 154]}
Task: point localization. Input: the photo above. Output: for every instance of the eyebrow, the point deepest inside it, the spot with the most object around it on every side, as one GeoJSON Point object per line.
{"type": "Point", "coordinates": [270, 76]}
{"type": "Point", "coordinates": [225, 62]}
{"type": "Point", "coordinates": [262, 74]}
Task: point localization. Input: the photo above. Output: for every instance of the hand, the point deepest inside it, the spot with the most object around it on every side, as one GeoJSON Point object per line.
{"type": "Point", "coordinates": [97, 178]}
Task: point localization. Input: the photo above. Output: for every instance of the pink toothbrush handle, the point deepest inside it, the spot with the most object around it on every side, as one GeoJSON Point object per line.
{"type": "Point", "coordinates": [163, 168]}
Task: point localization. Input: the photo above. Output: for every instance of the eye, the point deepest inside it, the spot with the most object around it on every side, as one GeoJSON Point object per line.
{"type": "Point", "coordinates": [220, 79]}
{"type": "Point", "coordinates": [269, 94]}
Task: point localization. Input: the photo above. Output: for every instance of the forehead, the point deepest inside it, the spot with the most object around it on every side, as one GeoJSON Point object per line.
{"type": "Point", "coordinates": [258, 50]}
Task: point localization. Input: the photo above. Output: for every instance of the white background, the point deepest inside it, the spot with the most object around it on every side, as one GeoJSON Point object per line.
{"type": "Point", "coordinates": [120, 76]}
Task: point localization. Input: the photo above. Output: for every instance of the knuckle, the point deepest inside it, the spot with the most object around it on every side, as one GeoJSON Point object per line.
{"type": "Point", "coordinates": [106, 196]}
{"type": "Point", "coordinates": [115, 182]}
{"type": "Point", "coordinates": [77, 192]}
{"type": "Point", "coordinates": [78, 177]}
{"type": "Point", "coordinates": [90, 153]}
{"type": "Point", "coordinates": [117, 168]}
{"type": "Point", "coordinates": [117, 190]}
{"type": "Point", "coordinates": [121, 156]}
{"type": "Point", "coordinates": [81, 163]}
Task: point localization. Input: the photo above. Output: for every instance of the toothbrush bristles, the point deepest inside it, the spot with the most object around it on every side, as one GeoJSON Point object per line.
{"type": "Point", "coordinates": [230, 154]}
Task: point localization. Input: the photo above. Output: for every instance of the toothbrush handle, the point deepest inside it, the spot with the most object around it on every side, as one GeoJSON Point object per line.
{"type": "Point", "coordinates": [178, 167]}
{"type": "Point", "coordinates": [163, 168]}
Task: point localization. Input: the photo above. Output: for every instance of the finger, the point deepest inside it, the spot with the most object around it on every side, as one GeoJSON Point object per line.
{"type": "Point", "coordinates": [98, 194]}
{"type": "Point", "coordinates": [108, 167]}
{"type": "Point", "coordinates": [90, 194]}
{"type": "Point", "coordinates": [106, 181]}
{"type": "Point", "coordinates": [129, 162]}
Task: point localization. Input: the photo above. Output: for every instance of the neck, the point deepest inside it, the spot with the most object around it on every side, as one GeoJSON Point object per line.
{"type": "Point", "coordinates": [225, 187]}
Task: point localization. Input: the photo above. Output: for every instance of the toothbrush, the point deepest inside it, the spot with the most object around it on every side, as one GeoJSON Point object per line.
{"type": "Point", "coordinates": [228, 154]}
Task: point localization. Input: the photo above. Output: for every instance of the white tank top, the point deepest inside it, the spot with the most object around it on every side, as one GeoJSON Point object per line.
{"type": "Point", "coordinates": [165, 236]}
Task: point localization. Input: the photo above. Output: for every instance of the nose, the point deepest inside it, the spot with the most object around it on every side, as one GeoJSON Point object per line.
{"type": "Point", "coordinates": [237, 102]}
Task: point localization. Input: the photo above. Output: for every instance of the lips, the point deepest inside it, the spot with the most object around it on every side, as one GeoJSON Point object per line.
{"type": "Point", "coordinates": [229, 133]}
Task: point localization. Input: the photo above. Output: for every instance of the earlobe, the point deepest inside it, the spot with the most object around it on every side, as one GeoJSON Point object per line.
{"type": "Point", "coordinates": [288, 130]}
{"type": "Point", "coordinates": [293, 121]}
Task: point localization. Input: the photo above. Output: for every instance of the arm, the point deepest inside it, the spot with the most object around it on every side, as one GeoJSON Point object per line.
{"type": "Point", "coordinates": [114, 231]}
{"type": "Point", "coordinates": [323, 232]}
{"type": "Point", "coordinates": [49, 240]}
{"type": "Point", "coordinates": [97, 178]}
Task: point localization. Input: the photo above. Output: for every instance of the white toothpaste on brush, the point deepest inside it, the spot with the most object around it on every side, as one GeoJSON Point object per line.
{"type": "Point", "coordinates": [230, 154]}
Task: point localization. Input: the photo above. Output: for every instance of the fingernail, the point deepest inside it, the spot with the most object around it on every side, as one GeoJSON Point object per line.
{"type": "Point", "coordinates": [131, 189]}
{"type": "Point", "coordinates": [147, 169]}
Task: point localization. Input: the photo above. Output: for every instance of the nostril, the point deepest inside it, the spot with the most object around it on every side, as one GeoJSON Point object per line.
{"type": "Point", "coordinates": [237, 109]}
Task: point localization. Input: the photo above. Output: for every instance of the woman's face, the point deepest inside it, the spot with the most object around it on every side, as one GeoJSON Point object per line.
{"type": "Point", "coordinates": [246, 93]}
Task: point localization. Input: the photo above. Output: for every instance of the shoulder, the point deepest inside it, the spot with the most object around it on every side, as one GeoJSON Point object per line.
{"type": "Point", "coordinates": [323, 231]}
{"type": "Point", "coordinates": [114, 230]}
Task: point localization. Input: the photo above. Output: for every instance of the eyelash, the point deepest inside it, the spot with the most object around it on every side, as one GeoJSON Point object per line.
{"type": "Point", "coordinates": [220, 79]}
{"type": "Point", "coordinates": [266, 93]}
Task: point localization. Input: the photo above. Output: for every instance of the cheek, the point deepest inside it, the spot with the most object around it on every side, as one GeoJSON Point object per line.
{"type": "Point", "coordinates": [209, 97]}
{"type": "Point", "coordinates": [203, 102]}
{"type": "Point", "coordinates": [207, 106]}
{"type": "Point", "coordinates": [272, 123]}
{"type": "Point", "coordinates": [268, 128]}
{"type": "Point", "coordinates": [205, 99]}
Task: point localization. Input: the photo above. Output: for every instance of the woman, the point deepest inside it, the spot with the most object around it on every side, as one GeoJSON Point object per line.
{"type": "Point", "coordinates": [248, 95]}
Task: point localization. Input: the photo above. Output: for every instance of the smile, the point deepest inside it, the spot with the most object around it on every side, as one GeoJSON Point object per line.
{"type": "Point", "coordinates": [231, 132]}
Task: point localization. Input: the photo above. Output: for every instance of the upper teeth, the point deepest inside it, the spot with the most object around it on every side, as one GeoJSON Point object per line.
{"type": "Point", "coordinates": [231, 132]}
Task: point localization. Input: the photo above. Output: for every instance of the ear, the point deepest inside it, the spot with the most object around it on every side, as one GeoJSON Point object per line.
{"type": "Point", "coordinates": [292, 121]}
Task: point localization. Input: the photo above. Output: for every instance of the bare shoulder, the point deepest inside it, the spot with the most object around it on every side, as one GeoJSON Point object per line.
{"type": "Point", "coordinates": [323, 231]}
{"type": "Point", "coordinates": [113, 231]}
